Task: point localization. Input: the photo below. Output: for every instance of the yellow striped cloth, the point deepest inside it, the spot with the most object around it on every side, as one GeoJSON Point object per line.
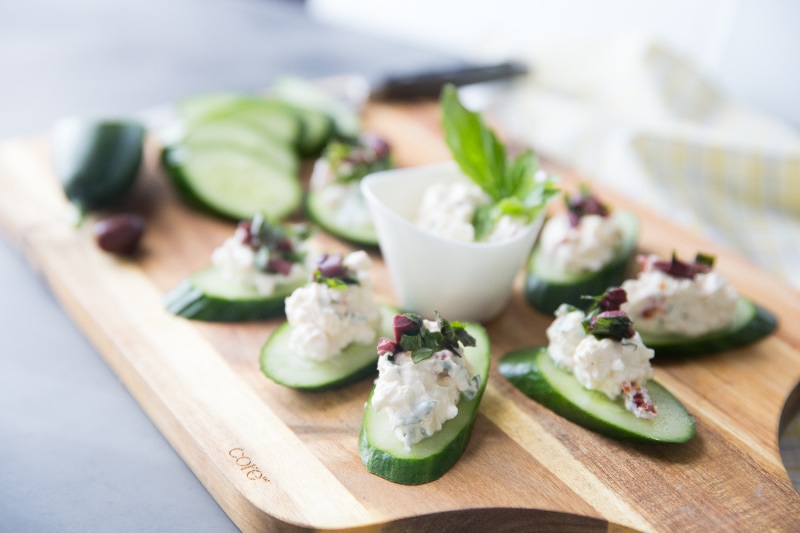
{"type": "Point", "coordinates": [637, 117]}
{"type": "Point", "coordinates": [748, 200]}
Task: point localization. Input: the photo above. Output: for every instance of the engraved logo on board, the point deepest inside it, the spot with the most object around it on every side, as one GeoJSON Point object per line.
{"type": "Point", "coordinates": [246, 465]}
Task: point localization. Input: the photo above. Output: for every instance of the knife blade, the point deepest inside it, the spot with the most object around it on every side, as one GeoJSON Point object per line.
{"type": "Point", "coordinates": [428, 84]}
{"type": "Point", "coordinates": [344, 96]}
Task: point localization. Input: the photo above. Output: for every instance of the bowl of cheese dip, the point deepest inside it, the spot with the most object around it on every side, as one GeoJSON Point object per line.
{"type": "Point", "coordinates": [420, 215]}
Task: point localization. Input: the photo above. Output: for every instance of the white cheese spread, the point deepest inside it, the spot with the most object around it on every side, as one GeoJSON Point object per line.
{"type": "Point", "coordinates": [236, 262]}
{"type": "Point", "coordinates": [420, 397]}
{"type": "Point", "coordinates": [343, 199]}
{"type": "Point", "coordinates": [606, 365]}
{"type": "Point", "coordinates": [447, 210]}
{"type": "Point", "coordinates": [325, 320]}
{"type": "Point", "coordinates": [662, 304]}
{"type": "Point", "coordinates": [588, 247]}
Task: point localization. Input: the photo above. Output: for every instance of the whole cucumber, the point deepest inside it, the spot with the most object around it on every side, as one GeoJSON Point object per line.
{"type": "Point", "coordinates": [96, 161]}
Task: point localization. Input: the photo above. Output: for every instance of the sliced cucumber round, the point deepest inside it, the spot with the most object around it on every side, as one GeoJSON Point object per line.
{"type": "Point", "coordinates": [751, 323]}
{"type": "Point", "coordinates": [208, 295]}
{"type": "Point", "coordinates": [283, 366]}
{"type": "Point", "coordinates": [244, 134]}
{"type": "Point", "coordinates": [385, 455]}
{"type": "Point", "coordinates": [534, 373]}
{"type": "Point", "coordinates": [329, 220]}
{"type": "Point", "coordinates": [273, 116]}
{"type": "Point", "coordinates": [547, 287]}
{"type": "Point", "coordinates": [305, 95]}
{"type": "Point", "coordinates": [233, 182]}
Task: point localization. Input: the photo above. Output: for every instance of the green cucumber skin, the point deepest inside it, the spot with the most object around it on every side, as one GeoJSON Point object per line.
{"type": "Point", "coordinates": [172, 161]}
{"type": "Point", "coordinates": [411, 470]}
{"type": "Point", "coordinates": [545, 295]}
{"type": "Point", "coordinates": [760, 324]}
{"type": "Point", "coordinates": [521, 368]}
{"type": "Point", "coordinates": [97, 161]}
{"type": "Point", "coordinates": [317, 213]}
{"type": "Point", "coordinates": [358, 372]}
{"type": "Point", "coordinates": [188, 301]}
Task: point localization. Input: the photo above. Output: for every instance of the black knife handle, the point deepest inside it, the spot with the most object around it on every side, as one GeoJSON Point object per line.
{"type": "Point", "coordinates": [429, 84]}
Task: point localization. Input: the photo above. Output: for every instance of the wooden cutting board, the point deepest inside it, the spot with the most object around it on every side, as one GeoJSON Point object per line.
{"type": "Point", "coordinates": [275, 458]}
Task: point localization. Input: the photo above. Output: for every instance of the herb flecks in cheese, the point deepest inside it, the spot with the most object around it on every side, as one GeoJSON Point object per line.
{"type": "Point", "coordinates": [422, 375]}
{"type": "Point", "coordinates": [679, 298]}
{"type": "Point", "coordinates": [603, 352]}
{"type": "Point", "coordinates": [335, 310]}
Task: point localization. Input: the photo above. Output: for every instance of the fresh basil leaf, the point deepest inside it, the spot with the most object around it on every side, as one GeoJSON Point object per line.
{"type": "Point", "coordinates": [473, 145]}
{"type": "Point", "coordinates": [411, 343]}
{"type": "Point", "coordinates": [333, 283]}
{"type": "Point", "coordinates": [421, 354]}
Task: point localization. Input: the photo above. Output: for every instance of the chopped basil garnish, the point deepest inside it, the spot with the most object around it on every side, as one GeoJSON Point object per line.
{"type": "Point", "coordinates": [584, 203]}
{"type": "Point", "coordinates": [276, 246]}
{"type": "Point", "coordinates": [332, 272]}
{"type": "Point", "coordinates": [605, 319]}
{"type": "Point", "coordinates": [351, 161]}
{"type": "Point", "coordinates": [680, 269]}
{"type": "Point", "coordinates": [412, 336]}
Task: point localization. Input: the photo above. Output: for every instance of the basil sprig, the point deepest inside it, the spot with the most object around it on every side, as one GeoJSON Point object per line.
{"type": "Point", "coordinates": [510, 183]}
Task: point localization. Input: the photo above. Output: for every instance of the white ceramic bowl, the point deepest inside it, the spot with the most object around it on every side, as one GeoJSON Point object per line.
{"type": "Point", "coordinates": [462, 280]}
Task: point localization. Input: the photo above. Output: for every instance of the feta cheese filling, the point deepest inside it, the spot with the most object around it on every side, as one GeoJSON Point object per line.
{"type": "Point", "coordinates": [662, 304]}
{"type": "Point", "coordinates": [236, 261]}
{"type": "Point", "coordinates": [420, 397]}
{"type": "Point", "coordinates": [614, 367]}
{"type": "Point", "coordinates": [587, 247]}
{"type": "Point", "coordinates": [343, 199]}
{"type": "Point", "coordinates": [325, 320]}
{"type": "Point", "coordinates": [447, 210]}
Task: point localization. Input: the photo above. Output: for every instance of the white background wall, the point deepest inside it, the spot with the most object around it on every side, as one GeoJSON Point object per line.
{"type": "Point", "coordinates": [750, 48]}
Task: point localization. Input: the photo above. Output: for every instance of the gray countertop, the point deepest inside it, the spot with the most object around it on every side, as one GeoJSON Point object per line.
{"type": "Point", "coordinates": [76, 451]}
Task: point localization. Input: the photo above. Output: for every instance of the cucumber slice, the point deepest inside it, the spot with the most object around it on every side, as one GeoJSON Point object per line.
{"type": "Point", "coordinates": [305, 95]}
{"type": "Point", "coordinates": [317, 130]}
{"type": "Point", "coordinates": [547, 287]}
{"type": "Point", "coordinates": [534, 373]}
{"type": "Point", "coordinates": [385, 455]}
{"type": "Point", "coordinates": [244, 134]}
{"type": "Point", "coordinates": [207, 295]}
{"type": "Point", "coordinates": [328, 219]}
{"type": "Point", "coordinates": [273, 116]}
{"type": "Point", "coordinates": [280, 364]}
{"type": "Point", "coordinates": [232, 182]}
{"type": "Point", "coordinates": [751, 323]}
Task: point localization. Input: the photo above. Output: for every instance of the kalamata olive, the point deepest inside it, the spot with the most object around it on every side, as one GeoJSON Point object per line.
{"type": "Point", "coordinates": [119, 234]}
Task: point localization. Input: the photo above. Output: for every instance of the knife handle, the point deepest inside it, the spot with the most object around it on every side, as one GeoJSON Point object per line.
{"type": "Point", "coordinates": [429, 84]}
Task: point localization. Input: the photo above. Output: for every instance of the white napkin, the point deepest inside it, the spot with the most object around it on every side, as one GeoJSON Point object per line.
{"type": "Point", "coordinates": [637, 117]}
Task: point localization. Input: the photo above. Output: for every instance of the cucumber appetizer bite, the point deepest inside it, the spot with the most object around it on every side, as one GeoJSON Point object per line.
{"type": "Point", "coordinates": [582, 251]}
{"type": "Point", "coordinates": [688, 309]}
{"type": "Point", "coordinates": [334, 200]}
{"type": "Point", "coordinates": [596, 372]}
{"type": "Point", "coordinates": [419, 416]}
{"type": "Point", "coordinates": [333, 323]}
{"type": "Point", "coordinates": [250, 276]}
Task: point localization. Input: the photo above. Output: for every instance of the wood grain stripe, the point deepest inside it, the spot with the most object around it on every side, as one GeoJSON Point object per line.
{"type": "Point", "coordinates": [550, 452]}
{"type": "Point", "coordinates": [190, 378]}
